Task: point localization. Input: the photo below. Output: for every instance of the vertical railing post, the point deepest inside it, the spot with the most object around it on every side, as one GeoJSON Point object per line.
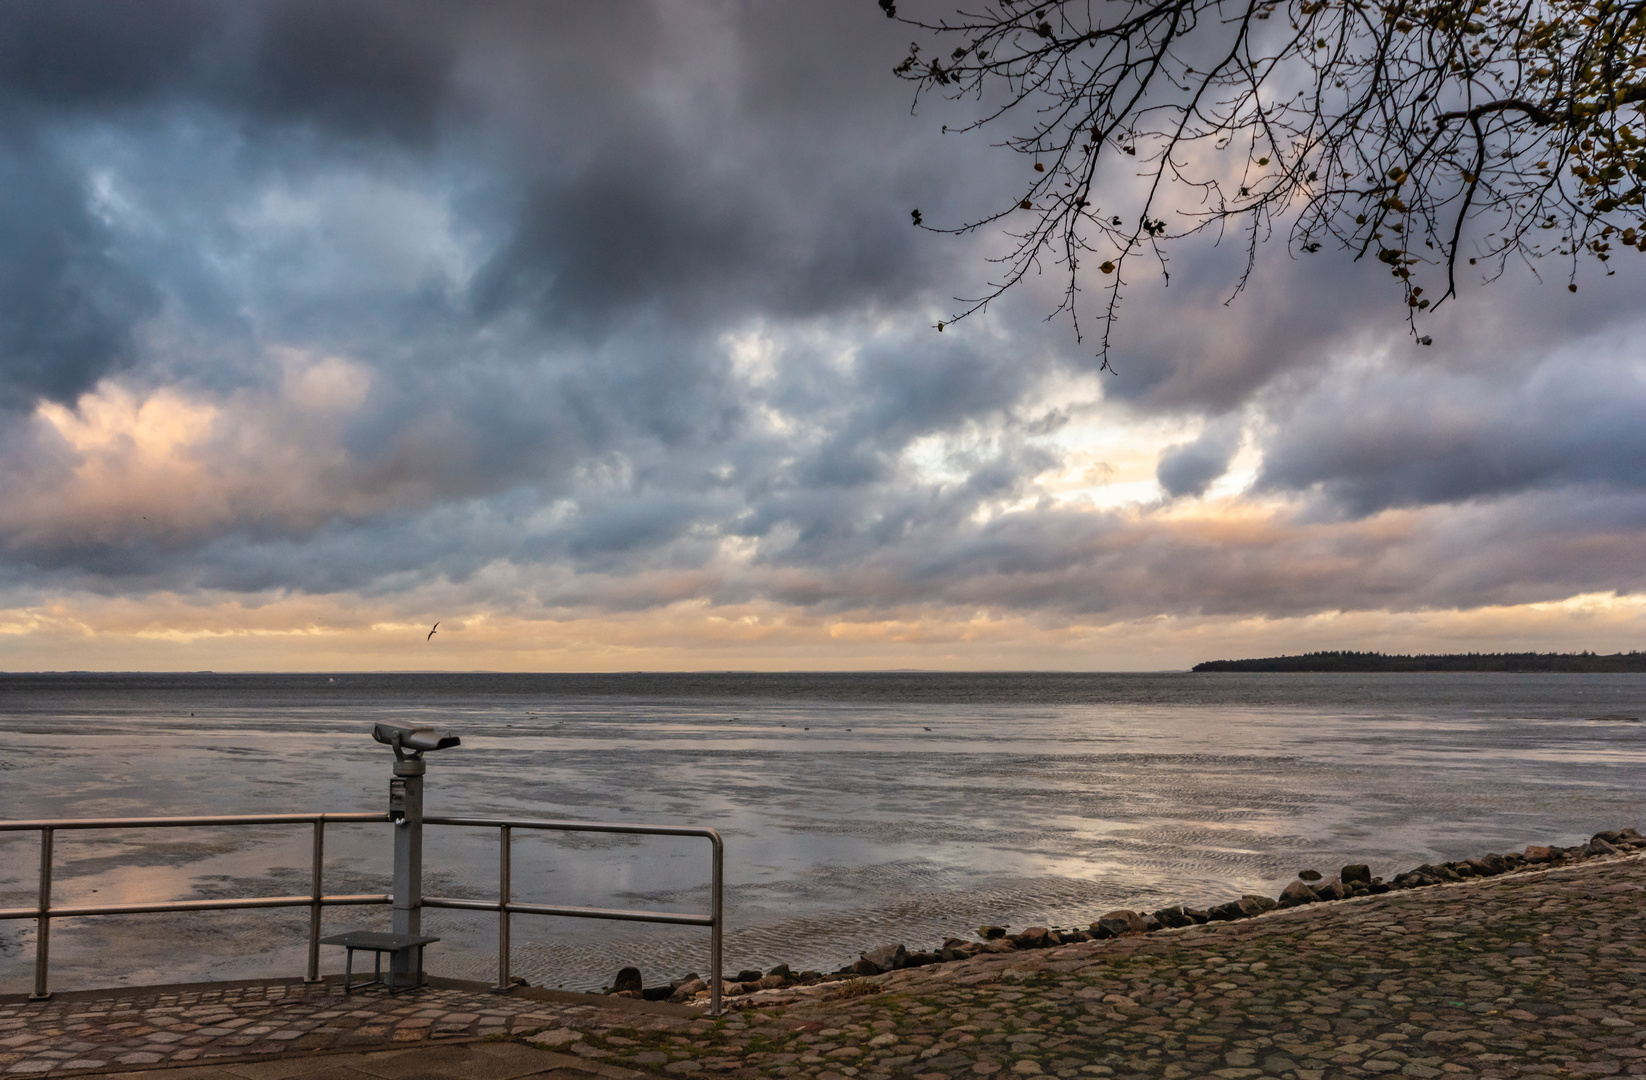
{"type": "Point", "coordinates": [504, 895]}
{"type": "Point", "coordinates": [42, 924]}
{"type": "Point", "coordinates": [717, 912]}
{"type": "Point", "coordinates": [315, 897]}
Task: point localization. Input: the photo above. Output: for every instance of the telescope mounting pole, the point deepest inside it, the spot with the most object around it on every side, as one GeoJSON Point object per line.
{"type": "Point", "coordinates": [408, 863]}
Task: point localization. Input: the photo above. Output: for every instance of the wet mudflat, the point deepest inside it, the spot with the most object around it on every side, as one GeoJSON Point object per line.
{"type": "Point", "coordinates": [857, 809]}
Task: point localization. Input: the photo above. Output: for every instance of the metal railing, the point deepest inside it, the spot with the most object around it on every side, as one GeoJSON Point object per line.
{"type": "Point", "coordinates": [505, 905]}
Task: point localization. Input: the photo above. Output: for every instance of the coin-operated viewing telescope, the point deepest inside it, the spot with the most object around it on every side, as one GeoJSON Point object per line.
{"type": "Point", "coordinates": [410, 743]}
{"type": "Point", "coordinates": [406, 811]}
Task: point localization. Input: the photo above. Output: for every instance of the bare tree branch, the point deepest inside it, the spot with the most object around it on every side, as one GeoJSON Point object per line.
{"type": "Point", "coordinates": [1433, 134]}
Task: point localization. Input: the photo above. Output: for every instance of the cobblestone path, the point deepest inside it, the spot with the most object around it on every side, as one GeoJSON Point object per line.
{"type": "Point", "coordinates": [148, 1029]}
{"type": "Point", "coordinates": [1538, 974]}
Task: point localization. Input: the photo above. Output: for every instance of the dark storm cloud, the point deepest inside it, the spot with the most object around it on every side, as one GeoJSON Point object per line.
{"type": "Point", "coordinates": [70, 298]}
{"type": "Point", "coordinates": [68, 304]}
{"type": "Point", "coordinates": [358, 68]}
{"type": "Point", "coordinates": [657, 230]}
{"type": "Point", "coordinates": [1424, 436]}
{"type": "Point", "coordinates": [76, 54]}
{"type": "Point", "coordinates": [786, 198]}
{"type": "Point", "coordinates": [629, 311]}
{"type": "Point", "coordinates": [1191, 468]}
{"type": "Point", "coordinates": [362, 68]}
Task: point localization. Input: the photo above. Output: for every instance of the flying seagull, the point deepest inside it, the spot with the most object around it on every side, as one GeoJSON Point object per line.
{"type": "Point", "coordinates": [432, 629]}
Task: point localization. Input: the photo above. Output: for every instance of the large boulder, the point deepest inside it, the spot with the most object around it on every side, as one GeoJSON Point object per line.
{"type": "Point", "coordinates": [1333, 890]}
{"type": "Point", "coordinates": [628, 981]}
{"type": "Point", "coordinates": [1355, 874]}
{"type": "Point", "coordinates": [1036, 937]}
{"type": "Point", "coordinates": [1244, 908]}
{"type": "Point", "coordinates": [1173, 916]}
{"type": "Point", "coordinates": [1297, 894]}
{"type": "Point", "coordinates": [887, 958]}
{"type": "Point", "coordinates": [1438, 873]}
{"type": "Point", "coordinates": [1119, 923]}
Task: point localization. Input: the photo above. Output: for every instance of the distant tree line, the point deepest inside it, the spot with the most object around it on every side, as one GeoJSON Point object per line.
{"type": "Point", "coordinates": [1372, 661]}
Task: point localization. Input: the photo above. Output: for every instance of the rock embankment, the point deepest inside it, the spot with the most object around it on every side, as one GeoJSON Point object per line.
{"type": "Point", "coordinates": [1311, 887]}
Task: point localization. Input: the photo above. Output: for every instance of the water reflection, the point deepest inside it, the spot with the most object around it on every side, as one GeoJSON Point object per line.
{"type": "Point", "coordinates": [1024, 801]}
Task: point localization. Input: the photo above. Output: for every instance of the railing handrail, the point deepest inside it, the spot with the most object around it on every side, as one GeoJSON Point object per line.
{"type": "Point", "coordinates": [185, 822]}
{"type": "Point", "coordinates": [504, 905]}
{"type": "Point", "coordinates": [572, 825]}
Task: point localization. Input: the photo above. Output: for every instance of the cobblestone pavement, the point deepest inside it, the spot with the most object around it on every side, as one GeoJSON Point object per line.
{"type": "Point", "coordinates": [150, 1029]}
{"type": "Point", "coordinates": [1538, 974]}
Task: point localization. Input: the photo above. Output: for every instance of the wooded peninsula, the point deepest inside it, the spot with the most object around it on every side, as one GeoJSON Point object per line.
{"type": "Point", "coordinates": [1371, 661]}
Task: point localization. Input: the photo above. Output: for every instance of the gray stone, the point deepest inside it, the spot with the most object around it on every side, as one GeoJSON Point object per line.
{"type": "Point", "coordinates": [1332, 890]}
{"type": "Point", "coordinates": [887, 957]}
{"type": "Point", "coordinates": [688, 990]}
{"type": "Point", "coordinates": [1297, 893]}
{"type": "Point", "coordinates": [1118, 923]}
{"type": "Point", "coordinates": [1173, 916]}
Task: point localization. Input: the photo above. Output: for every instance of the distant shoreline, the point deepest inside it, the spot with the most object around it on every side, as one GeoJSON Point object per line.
{"type": "Point", "coordinates": [1584, 662]}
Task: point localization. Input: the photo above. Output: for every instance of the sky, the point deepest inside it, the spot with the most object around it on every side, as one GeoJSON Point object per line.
{"type": "Point", "coordinates": [600, 335]}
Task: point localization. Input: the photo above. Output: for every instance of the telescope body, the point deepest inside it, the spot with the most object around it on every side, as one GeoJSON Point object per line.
{"type": "Point", "coordinates": [414, 739]}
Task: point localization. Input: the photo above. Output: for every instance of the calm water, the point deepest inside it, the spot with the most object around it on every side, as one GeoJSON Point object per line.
{"type": "Point", "coordinates": [858, 810]}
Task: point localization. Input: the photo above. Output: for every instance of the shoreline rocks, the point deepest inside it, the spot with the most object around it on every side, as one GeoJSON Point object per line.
{"type": "Point", "coordinates": [1310, 887]}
